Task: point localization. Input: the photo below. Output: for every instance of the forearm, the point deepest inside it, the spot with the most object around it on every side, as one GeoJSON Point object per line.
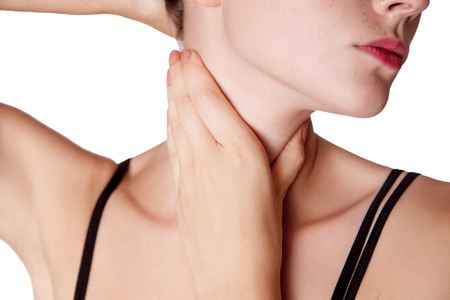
{"type": "Point", "coordinates": [150, 12]}
{"type": "Point", "coordinates": [60, 6]}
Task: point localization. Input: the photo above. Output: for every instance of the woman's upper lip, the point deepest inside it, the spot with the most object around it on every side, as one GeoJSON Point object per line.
{"type": "Point", "coordinates": [389, 44]}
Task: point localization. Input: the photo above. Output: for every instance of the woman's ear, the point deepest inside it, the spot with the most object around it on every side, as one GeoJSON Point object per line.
{"type": "Point", "coordinates": [210, 3]}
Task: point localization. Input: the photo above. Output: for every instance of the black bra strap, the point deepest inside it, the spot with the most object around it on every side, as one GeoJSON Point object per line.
{"type": "Point", "coordinates": [358, 244]}
{"type": "Point", "coordinates": [89, 245]}
{"type": "Point", "coordinates": [350, 280]}
{"type": "Point", "coordinates": [375, 235]}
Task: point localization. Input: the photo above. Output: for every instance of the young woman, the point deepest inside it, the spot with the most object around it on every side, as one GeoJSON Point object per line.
{"type": "Point", "coordinates": [276, 62]}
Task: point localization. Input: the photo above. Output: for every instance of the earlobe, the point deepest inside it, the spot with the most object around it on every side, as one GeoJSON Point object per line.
{"type": "Point", "coordinates": [210, 3]}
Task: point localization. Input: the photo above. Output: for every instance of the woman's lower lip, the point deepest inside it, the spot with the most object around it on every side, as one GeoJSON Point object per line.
{"type": "Point", "coordinates": [387, 57]}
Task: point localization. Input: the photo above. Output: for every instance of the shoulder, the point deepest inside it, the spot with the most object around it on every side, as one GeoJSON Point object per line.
{"type": "Point", "coordinates": [431, 198]}
{"type": "Point", "coordinates": [38, 157]}
{"type": "Point", "coordinates": [414, 245]}
{"type": "Point", "coordinates": [428, 202]}
{"type": "Point", "coordinates": [41, 174]}
{"type": "Point", "coordinates": [423, 214]}
{"type": "Point", "coordinates": [48, 188]}
{"type": "Point", "coordinates": [420, 227]}
{"type": "Point", "coordinates": [28, 143]}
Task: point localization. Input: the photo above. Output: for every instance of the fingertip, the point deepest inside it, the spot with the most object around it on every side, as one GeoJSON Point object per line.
{"type": "Point", "coordinates": [174, 57]}
{"type": "Point", "coordinates": [303, 132]}
{"type": "Point", "coordinates": [186, 56]}
{"type": "Point", "coordinates": [193, 55]}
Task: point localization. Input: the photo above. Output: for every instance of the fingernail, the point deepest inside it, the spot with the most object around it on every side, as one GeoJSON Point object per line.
{"type": "Point", "coordinates": [168, 80]}
{"type": "Point", "coordinates": [305, 133]}
{"type": "Point", "coordinates": [174, 57]}
{"type": "Point", "coordinates": [186, 56]}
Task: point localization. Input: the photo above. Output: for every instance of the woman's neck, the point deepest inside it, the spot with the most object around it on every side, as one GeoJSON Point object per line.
{"type": "Point", "coordinates": [272, 109]}
{"type": "Point", "coordinates": [274, 112]}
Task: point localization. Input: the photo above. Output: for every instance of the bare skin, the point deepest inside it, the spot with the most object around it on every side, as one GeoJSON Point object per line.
{"type": "Point", "coordinates": [49, 187]}
{"type": "Point", "coordinates": [229, 196]}
{"type": "Point", "coordinates": [139, 227]}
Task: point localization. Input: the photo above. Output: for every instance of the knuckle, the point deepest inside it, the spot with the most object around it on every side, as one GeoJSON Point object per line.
{"type": "Point", "coordinates": [239, 155]}
{"type": "Point", "coordinates": [205, 96]}
{"type": "Point", "coordinates": [298, 156]}
{"type": "Point", "coordinates": [298, 161]}
{"type": "Point", "coordinates": [184, 104]}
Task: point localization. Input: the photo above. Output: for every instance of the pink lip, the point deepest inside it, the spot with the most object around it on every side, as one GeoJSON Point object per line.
{"type": "Point", "coordinates": [391, 52]}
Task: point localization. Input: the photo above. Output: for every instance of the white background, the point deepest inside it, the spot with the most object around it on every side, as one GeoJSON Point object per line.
{"type": "Point", "coordinates": [100, 80]}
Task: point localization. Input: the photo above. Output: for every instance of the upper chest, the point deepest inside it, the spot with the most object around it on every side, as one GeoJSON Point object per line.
{"type": "Point", "coordinates": [144, 259]}
{"type": "Point", "coordinates": [139, 255]}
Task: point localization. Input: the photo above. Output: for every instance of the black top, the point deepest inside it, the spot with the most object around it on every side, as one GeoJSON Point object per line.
{"type": "Point", "coordinates": [354, 268]}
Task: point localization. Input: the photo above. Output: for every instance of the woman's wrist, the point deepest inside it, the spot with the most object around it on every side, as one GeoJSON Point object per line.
{"type": "Point", "coordinates": [247, 279]}
{"type": "Point", "coordinates": [150, 12]}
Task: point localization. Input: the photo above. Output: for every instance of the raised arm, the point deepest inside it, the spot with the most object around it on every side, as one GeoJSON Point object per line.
{"type": "Point", "coordinates": [36, 163]}
{"type": "Point", "coordinates": [150, 12]}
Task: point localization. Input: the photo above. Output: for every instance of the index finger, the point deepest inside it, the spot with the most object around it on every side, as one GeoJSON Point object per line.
{"type": "Point", "coordinates": [216, 111]}
{"type": "Point", "coordinates": [185, 121]}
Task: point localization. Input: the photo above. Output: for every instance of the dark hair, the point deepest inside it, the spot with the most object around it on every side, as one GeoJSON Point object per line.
{"type": "Point", "coordinates": [174, 9]}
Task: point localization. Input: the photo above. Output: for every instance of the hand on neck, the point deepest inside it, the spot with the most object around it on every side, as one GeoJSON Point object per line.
{"type": "Point", "coordinates": [270, 107]}
{"type": "Point", "coordinates": [274, 112]}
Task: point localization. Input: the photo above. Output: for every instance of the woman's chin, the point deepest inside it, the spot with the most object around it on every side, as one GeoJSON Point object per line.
{"type": "Point", "coordinates": [363, 105]}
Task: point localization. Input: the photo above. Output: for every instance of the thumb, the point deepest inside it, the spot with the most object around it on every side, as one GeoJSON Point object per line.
{"type": "Point", "coordinates": [289, 162]}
